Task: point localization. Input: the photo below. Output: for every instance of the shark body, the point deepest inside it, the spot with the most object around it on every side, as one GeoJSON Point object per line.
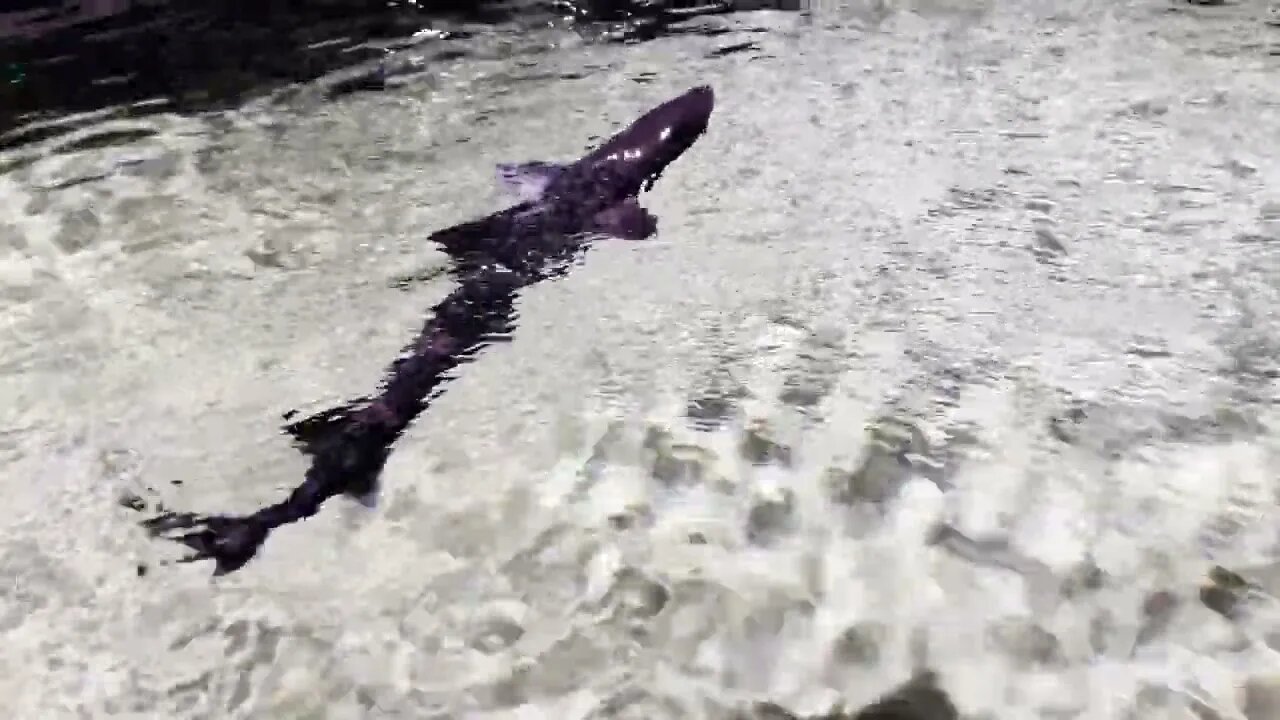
{"type": "Point", "coordinates": [562, 208]}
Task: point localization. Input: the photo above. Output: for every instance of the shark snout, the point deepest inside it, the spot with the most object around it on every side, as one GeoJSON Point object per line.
{"type": "Point", "coordinates": [702, 99]}
{"type": "Point", "coordinates": [694, 107]}
{"type": "Point", "coordinates": [671, 128]}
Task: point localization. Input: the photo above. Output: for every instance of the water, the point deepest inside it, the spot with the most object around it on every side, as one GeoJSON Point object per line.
{"type": "Point", "coordinates": [956, 351]}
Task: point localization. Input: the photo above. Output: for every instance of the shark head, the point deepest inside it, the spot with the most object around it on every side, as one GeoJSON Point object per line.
{"type": "Point", "coordinates": [643, 149]}
{"type": "Point", "coordinates": [599, 191]}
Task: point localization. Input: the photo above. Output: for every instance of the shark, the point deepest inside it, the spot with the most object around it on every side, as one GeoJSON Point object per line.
{"type": "Point", "coordinates": [559, 210]}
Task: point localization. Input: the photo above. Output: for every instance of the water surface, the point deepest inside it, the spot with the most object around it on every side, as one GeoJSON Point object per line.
{"type": "Point", "coordinates": [956, 350]}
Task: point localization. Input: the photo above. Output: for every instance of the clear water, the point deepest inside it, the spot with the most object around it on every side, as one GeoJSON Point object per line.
{"type": "Point", "coordinates": [1010, 270]}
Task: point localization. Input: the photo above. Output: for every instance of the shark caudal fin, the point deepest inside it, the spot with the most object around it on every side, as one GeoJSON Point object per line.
{"type": "Point", "coordinates": [330, 432]}
{"type": "Point", "coordinates": [527, 180]}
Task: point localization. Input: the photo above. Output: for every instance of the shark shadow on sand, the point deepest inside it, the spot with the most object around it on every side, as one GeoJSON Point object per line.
{"type": "Point", "coordinates": [561, 209]}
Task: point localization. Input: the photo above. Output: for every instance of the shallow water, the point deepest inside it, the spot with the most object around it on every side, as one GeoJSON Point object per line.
{"type": "Point", "coordinates": [957, 349]}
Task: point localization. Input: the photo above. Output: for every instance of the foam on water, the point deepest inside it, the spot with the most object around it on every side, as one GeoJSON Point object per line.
{"type": "Point", "coordinates": [956, 351]}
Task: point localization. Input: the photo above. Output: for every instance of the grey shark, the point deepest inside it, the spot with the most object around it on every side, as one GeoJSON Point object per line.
{"type": "Point", "coordinates": [562, 207]}
{"type": "Point", "coordinates": [597, 194]}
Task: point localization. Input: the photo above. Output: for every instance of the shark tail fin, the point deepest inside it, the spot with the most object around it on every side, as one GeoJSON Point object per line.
{"type": "Point", "coordinates": [317, 434]}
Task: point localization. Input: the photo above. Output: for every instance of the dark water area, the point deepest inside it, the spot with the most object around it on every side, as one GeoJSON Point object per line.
{"type": "Point", "coordinates": [144, 56]}
{"type": "Point", "coordinates": [189, 57]}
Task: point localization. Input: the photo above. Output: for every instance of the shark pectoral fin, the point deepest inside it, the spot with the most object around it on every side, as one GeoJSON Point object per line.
{"type": "Point", "coordinates": [626, 220]}
{"type": "Point", "coordinates": [527, 180]}
{"type": "Point", "coordinates": [368, 497]}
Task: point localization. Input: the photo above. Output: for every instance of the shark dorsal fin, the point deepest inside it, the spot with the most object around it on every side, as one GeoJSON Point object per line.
{"type": "Point", "coordinates": [527, 180]}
